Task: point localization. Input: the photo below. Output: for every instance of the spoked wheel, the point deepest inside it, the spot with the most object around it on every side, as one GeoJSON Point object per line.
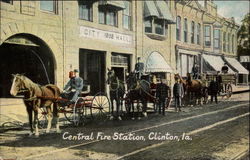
{"type": "Point", "coordinates": [42, 118]}
{"type": "Point", "coordinates": [74, 113]}
{"type": "Point", "coordinates": [100, 107]}
{"type": "Point", "coordinates": [229, 91]}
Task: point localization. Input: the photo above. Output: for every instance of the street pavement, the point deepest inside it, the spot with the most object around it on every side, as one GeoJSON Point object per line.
{"type": "Point", "coordinates": [212, 131]}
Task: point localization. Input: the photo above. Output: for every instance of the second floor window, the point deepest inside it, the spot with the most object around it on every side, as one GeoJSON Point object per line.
{"type": "Point", "coordinates": [224, 41]}
{"type": "Point", "coordinates": [48, 5]}
{"type": "Point", "coordinates": [185, 34]}
{"type": "Point", "coordinates": [198, 33]}
{"type": "Point", "coordinates": [7, 1]}
{"type": "Point", "coordinates": [217, 39]}
{"type": "Point", "coordinates": [85, 10]}
{"type": "Point", "coordinates": [192, 32]}
{"type": "Point", "coordinates": [159, 26]}
{"type": "Point", "coordinates": [228, 43]}
{"type": "Point", "coordinates": [178, 28]}
{"type": "Point", "coordinates": [127, 15]}
{"type": "Point", "coordinates": [107, 16]}
{"type": "Point", "coordinates": [233, 44]}
{"type": "Point", "coordinates": [207, 36]}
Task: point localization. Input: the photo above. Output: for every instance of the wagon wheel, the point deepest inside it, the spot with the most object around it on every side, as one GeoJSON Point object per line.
{"type": "Point", "coordinates": [42, 118]}
{"type": "Point", "coordinates": [100, 107]}
{"type": "Point", "coordinates": [74, 113]}
{"type": "Point", "coordinates": [229, 90]}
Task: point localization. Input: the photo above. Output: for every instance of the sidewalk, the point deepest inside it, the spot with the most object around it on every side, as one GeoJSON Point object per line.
{"type": "Point", "coordinates": [240, 88]}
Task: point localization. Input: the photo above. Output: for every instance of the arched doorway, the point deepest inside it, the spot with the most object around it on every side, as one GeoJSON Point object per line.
{"type": "Point", "coordinates": [25, 54]}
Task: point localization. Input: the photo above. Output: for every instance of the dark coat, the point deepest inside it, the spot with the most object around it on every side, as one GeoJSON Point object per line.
{"type": "Point", "coordinates": [74, 83]}
{"type": "Point", "coordinates": [213, 87]}
{"type": "Point", "coordinates": [178, 90]}
{"type": "Point", "coordinates": [162, 91]}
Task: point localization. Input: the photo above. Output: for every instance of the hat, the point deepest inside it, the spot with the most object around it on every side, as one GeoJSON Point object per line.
{"type": "Point", "coordinates": [76, 70]}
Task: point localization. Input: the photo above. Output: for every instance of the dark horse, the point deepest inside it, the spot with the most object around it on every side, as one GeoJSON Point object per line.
{"type": "Point", "coordinates": [32, 92]}
{"type": "Point", "coordinates": [116, 92]}
{"type": "Point", "coordinates": [139, 91]}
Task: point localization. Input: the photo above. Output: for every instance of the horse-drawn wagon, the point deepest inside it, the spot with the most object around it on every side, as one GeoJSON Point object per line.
{"type": "Point", "coordinates": [38, 99]}
{"type": "Point", "coordinates": [225, 82]}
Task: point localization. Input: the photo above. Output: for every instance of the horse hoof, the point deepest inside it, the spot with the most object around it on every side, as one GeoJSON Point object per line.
{"type": "Point", "coordinates": [111, 118]}
{"type": "Point", "coordinates": [119, 118]}
{"type": "Point", "coordinates": [30, 134]}
{"type": "Point", "coordinates": [47, 131]}
{"type": "Point", "coordinates": [133, 118]}
{"type": "Point", "coordinates": [139, 118]}
{"type": "Point", "coordinates": [58, 131]}
{"type": "Point", "coordinates": [37, 135]}
{"type": "Point", "coordinates": [145, 114]}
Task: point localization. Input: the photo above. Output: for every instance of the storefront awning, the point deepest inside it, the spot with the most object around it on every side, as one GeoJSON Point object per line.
{"type": "Point", "coordinates": [156, 63]}
{"type": "Point", "coordinates": [236, 65]}
{"type": "Point", "coordinates": [150, 9]}
{"type": "Point", "coordinates": [164, 12]}
{"type": "Point", "coordinates": [117, 4]}
{"type": "Point", "coordinates": [215, 63]}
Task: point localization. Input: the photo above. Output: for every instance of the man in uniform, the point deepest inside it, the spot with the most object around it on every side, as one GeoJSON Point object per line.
{"type": "Point", "coordinates": [224, 69]}
{"type": "Point", "coordinates": [178, 92]}
{"type": "Point", "coordinates": [74, 87]}
{"type": "Point", "coordinates": [162, 93]}
{"type": "Point", "coordinates": [139, 67]}
{"type": "Point", "coordinates": [195, 71]}
{"type": "Point", "coordinates": [213, 87]}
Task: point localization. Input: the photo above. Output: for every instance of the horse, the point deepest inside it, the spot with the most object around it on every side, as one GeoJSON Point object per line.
{"type": "Point", "coordinates": [116, 92]}
{"type": "Point", "coordinates": [138, 90]}
{"type": "Point", "coordinates": [33, 100]}
{"type": "Point", "coordinates": [193, 89]}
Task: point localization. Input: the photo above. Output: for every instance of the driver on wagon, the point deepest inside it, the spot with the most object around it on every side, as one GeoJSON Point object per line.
{"type": "Point", "coordinates": [73, 88]}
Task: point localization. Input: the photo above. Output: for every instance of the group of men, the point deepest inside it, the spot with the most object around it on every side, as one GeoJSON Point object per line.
{"type": "Point", "coordinates": [163, 95]}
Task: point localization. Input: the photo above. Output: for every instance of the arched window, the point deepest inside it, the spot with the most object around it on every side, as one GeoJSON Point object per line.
{"type": "Point", "coordinates": [198, 33]}
{"type": "Point", "coordinates": [233, 44]}
{"type": "Point", "coordinates": [192, 32]}
{"type": "Point", "coordinates": [185, 30]}
{"type": "Point", "coordinates": [178, 28]}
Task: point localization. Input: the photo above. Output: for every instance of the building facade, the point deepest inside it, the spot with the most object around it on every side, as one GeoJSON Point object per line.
{"type": "Point", "coordinates": [47, 39]}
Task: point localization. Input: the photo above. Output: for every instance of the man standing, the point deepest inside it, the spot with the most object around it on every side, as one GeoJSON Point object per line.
{"type": "Point", "coordinates": [213, 87]}
{"type": "Point", "coordinates": [195, 71]}
{"type": "Point", "coordinates": [162, 92]}
{"type": "Point", "coordinates": [224, 69]}
{"type": "Point", "coordinates": [74, 87]}
{"type": "Point", "coordinates": [178, 94]}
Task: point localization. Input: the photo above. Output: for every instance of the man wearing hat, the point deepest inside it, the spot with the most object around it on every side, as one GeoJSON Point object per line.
{"type": "Point", "coordinates": [162, 93]}
{"type": "Point", "coordinates": [74, 87]}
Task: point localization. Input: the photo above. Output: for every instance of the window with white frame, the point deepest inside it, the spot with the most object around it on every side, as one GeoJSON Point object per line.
{"type": "Point", "coordinates": [185, 31]}
{"type": "Point", "coordinates": [178, 28]}
{"type": "Point", "coordinates": [155, 26]}
{"type": "Point", "coordinates": [233, 44]}
{"type": "Point", "coordinates": [217, 39]}
{"type": "Point", "coordinates": [127, 15]}
{"type": "Point", "coordinates": [207, 36]}
{"type": "Point", "coordinates": [198, 33]}
{"type": "Point", "coordinates": [148, 25]}
{"type": "Point", "coordinates": [228, 43]}
{"type": "Point", "coordinates": [192, 31]}
{"type": "Point", "coordinates": [107, 16]}
{"type": "Point", "coordinates": [85, 10]}
{"type": "Point", "coordinates": [224, 41]}
{"type": "Point", "coordinates": [48, 5]}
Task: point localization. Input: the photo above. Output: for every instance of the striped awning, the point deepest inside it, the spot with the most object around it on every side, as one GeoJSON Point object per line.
{"type": "Point", "coordinates": [156, 63]}
{"type": "Point", "coordinates": [215, 63]}
{"type": "Point", "coordinates": [150, 9]}
{"type": "Point", "coordinates": [164, 11]}
{"type": "Point", "coordinates": [235, 64]}
{"type": "Point", "coordinates": [117, 4]}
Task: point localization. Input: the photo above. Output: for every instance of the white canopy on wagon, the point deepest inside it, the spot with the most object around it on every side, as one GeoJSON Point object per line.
{"type": "Point", "coordinates": [156, 63]}
{"type": "Point", "coordinates": [214, 63]}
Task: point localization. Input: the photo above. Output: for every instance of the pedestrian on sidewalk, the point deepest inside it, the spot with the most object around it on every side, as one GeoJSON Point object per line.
{"type": "Point", "coordinates": [178, 92]}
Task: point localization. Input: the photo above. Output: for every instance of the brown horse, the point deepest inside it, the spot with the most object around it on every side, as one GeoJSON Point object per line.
{"type": "Point", "coordinates": [32, 100]}
{"type": "Point", "coordinates": [193, 89]}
